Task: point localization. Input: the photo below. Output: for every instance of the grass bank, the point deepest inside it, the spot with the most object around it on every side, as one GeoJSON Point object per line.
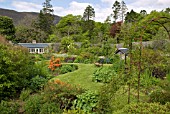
{"type": "Point", "coordinates": [82, 77]}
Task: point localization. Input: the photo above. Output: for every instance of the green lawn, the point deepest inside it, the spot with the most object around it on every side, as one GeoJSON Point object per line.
{"type": "Point", "coordinates": [82, 77]}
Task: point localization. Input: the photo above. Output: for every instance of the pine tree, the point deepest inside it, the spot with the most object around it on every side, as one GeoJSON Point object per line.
{"type": "Point", "coordinates": [116, 10]}
{"type": "Point", "coordinates": [88, 13]}
{"type": "Point", "coordinates": [46, 17]}
{"type": "Point", "coordinates": [123, 10]}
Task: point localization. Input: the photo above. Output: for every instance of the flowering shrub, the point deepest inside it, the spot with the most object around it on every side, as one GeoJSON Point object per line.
{"type": "Point", "coordinates": [54, 63]}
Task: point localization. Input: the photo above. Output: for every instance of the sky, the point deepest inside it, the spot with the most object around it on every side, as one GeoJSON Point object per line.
{"type": "Point", "coordinates": [103, 8]}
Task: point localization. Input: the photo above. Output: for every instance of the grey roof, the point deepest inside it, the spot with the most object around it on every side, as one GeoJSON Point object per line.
{"type": "Point", "coordinates": [122, 50]}
{"type": "Point", "coordinates": [31, 45]}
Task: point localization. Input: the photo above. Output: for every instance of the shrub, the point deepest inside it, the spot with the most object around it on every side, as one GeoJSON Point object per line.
{"type": "Point", "coordinates": [163, 94]}
{"type": "Point", "coordinates": [159, 71]}
{"type": "Point", "coordinates": [87, 102]}
{"type": "Point", "coordinates": [14, 64]}
{"type": "Point", "coordinates": [144, 108]}
{"type": "Point", "coordinates": [50, 108]}
{"type": "Point", "coordinates": [74, 111]}
{"type": "Point", "coordinates": [160, 96]}
{"type": "Point", "coordinates": [62, 93]}
{"type": "Point", "coordinates": [25, 94]}
{"type": "Point", "coordinates": [69, 59]}
{"type": "Point", "coordinates": [33, 104]}
{"type": "Point", "coordinates": [38, 82]}
{"type": "Point", "coordinates": [65, 68]}
{"type": "Point", "coordinates": [104, 74]}
{"type": "Point", "coordinates": [8, 107]}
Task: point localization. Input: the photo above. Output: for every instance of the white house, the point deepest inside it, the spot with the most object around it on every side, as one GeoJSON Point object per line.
{"type": "Point", "coordinates": [34, 47]}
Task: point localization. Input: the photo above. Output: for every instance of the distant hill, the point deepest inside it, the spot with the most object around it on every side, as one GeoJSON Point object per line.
{"type": "Point", "coordinates": [18, 16]}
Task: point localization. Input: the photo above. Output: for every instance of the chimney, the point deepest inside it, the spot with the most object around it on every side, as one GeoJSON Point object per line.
{"type": "Point", "coordinates": [34, 41]}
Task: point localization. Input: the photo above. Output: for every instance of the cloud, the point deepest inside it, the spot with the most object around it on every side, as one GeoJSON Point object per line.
{"type": "Point", "coordinates": [149, 5]}
{"type": "Point", "coordinates": [26, 6]}
{"type": "Point", "coordinates": [74, 8]}
{"type": "Point", "coordinates": [102, 8]}
{"type": "Point", "coordinates": [2, 0]}
{"type": "Point", "coordinates": [77, 8]}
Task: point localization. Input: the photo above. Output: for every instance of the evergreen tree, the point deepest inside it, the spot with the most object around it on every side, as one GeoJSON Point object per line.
{"type": "Point", "coordinates": [116, 10]}
{"type": "Point", "coordinates": [123, 10]}
{"type": "Point", "coordinates": [143, 12]}
{"type": "Point", "coordinates": [88, 13]}
{"type": "Point", "coordinates": [88, 24]}
{"type": "Point", "coordinates": [46, 17]}
{"type": "Point", "coordinates": [132, 16]}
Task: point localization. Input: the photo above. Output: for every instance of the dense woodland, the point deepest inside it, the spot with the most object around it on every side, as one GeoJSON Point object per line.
{"type": "Point", "coordinates": [68, 81]}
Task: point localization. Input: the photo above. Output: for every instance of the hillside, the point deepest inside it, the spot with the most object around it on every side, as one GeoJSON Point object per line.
{"type": "Point", "coordinates": [18, 16]}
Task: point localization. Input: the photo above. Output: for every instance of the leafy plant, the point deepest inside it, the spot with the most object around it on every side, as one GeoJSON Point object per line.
{"type": "Point", "coordinates": [104, 74]}
{"type": "Point", "coordinates": [8, 107]}
{"type": "Point", "coordinates": [151, 108]}
{"type": "Point", "coordinates": [25, 94]}
{"type": "Point", "coordinates": [33, 104]}
{"type": "Point", "coordinates": [87, 102]}
{"type": "Point", "coordinates": [38, 83]}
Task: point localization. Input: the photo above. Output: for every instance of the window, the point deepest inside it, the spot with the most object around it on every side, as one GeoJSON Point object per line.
{"type": "Point", "coordinates": [32, 50]}
{"type": "Point", "coordinates": [41, 50]}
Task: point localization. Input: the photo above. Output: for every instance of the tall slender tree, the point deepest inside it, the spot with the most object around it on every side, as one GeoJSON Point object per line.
{"type": "Point", "coordinates": [89, 13]}
{"type": "Point", "coordinates": [116, 10]}
{"type": "Point", "coordinates": [46, 17]}
{"type": "Point", "coordinates": [123, 10]}
{"type": "Point", "coordinates": [89, 24]}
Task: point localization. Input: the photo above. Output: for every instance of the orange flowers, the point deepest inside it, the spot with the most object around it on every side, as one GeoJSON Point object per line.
{"type": "Point", "coordinates": [54, 63]}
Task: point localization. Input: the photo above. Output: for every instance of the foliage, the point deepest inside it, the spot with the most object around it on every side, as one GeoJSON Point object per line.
{"type": "Point", "coordinates": [116, 9]}
{"type": "Point", "coordinates": [17, 70]}
{"type": "Point", "coordinates": [33, 104]}
{"type": "Point", "coordinates": [14, 63]}
{"type": "Point", "coordinates": [66, 43]}
{"type": "Point", "coordinates": [8, 107]}
{"type": "Point", "coordinates": [65, 68]}
{"type": "Point", "coordinates": [25, 94]}
{"type": "Point", "coordinates": [38, 83]}
{"type": "Point", "coordinates": [107, 94]}
{"type": "Point", "coordinates": [46, 17]}
{"type": "Point", "coordinates": [69, 25]}
{"type": "Point", "coordinates": [7, 28]}
{"type": "Point", "coordinates": [155, 61]}
{"type": "Point", "coordinates": [152, 108]}
{"type": "Point", "coordinates": [55, 97]}
{"type": "Point", "coordinates": [62, 93]}
{"type": "Point", "coordinates": [26, 31]}
{"type": "Point", "coordinates": [119, 10]}
{"type": "Point", "coordinates": [161, 95]}
{"type": "Point", "coordinates": [36, 105]}
{"type": "Point", "coordinates": [104, 74]}
{"type": "Point", "coordinates": [87, 102]}
{"type": "Point", "coordinates": [115, 29]}
{"type": "Point", "coordinates": [88, 13]}
{"type": "Point", "coordinates": [69, 59]}
{"type": "Point", "coordinates": [132, 16]}
{"type": "Point", "coordinates": [26, 34]}
{"type": "Point", "coordinates": [74, 111]}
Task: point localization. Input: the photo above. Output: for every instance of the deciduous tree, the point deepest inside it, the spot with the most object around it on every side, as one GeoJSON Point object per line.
{"type": "Point", "coordinates": [7, 28]}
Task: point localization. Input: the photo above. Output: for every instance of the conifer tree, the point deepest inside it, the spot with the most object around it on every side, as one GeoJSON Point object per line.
{"type": "Point", "coordinates": [46, 17]}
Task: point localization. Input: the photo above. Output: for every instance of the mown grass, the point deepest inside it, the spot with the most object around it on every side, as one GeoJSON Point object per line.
{"type": "Point", "coordinates": [82, 77]}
